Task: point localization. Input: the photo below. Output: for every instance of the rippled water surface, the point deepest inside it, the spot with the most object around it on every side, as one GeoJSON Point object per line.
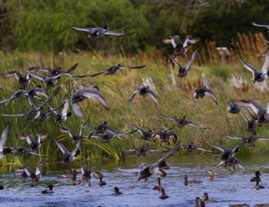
{"type": "Point", "coordinates": [229, 189]}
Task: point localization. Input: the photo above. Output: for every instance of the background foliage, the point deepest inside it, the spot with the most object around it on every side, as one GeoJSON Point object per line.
{"type": "Point", "coordinates": [46, 25]}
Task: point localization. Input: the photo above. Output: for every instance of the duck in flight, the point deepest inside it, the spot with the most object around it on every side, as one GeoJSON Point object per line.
{"type": "Point", "coordinates": [257, 75]}
{"type": "Point", "coordinates": [181, 122]}
{"type": "Point", "coordinates": [201, 92]}
{"type": "Point", "coordinates": [183, 72]}
{"type": "Point", "coordinates": [113, 69]}
{"type": "Point", "coordinates": [143, 91]}
{"type": "Point", "coordinates": [99, 32]}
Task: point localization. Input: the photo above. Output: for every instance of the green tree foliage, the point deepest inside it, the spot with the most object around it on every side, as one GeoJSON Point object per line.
{"type": "Point", "coordinates": [45, 25]}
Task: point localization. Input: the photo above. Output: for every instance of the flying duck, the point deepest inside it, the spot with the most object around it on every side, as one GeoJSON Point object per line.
{"type": "Point", "coordinates": [249, 140]}
{"type": "Point", "coordinates": [98, 32]}
{"type": "Point", "coordinates": [75, 138]}
{"type": "Point", "coordinates": [18, 94]}
{"type": "Point", "coordinates": [106, 138]}
{"type": "Point", "coordinates": [35, 176]}
{"type": "Point", "coordinates": [62, 116]}
{"type": "Point", "coordinates": [190, 147]}
{"type": "Point", "coordinates": [100, 129]}
{"type": "Point", "coordinates": [183, 72]}
{"type": "Point", "coordinates": [201, 92]}
{"type": "Point", "coordinates": [252, 124]}
{"type": "Point", "coordinates": [143, 91]}
{"type": "Point", "coordinates": [145, 135]}
{"type": "Point", "coordinates": [257, 75]}
{"type": "Point", "coordinates": [34, 144]}
{"type": "Point", "coordinates": [165, 136]}
{"type": "Point", "coordinates": [182, 122]}
{"type": "Point", "coordinates": [84, 93]}
{"type": "Point", "coordinates": [113, 69]}
{"type": "Point", "coordinates": [141, 151]}
{"type": "Point", "coordinates": [68, 156]}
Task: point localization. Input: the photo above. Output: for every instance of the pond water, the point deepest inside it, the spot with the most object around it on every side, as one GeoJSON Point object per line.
{"type": "Point", "coordinates": [232, 188]}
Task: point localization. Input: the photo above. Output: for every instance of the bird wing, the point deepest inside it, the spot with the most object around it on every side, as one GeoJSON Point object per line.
{"type": "Point", "coordinates": [91, 30]}
{"type": "Point", "coordinates": [137, 128]}
{"type": "Point", "coordinates": [77, 110]}
{"type": "Point", "coordinates": [132, 96]}
{"type": "Point", "coordinates": [61, 147]}
{"type": "Point", "coordinates": [98, 96]}
{"type": "Point", "coordinates": [210, 93]}
{"type": "Point", "coordinates": [151, 95]}
{"type": "Point", "coordinates": [28, 171]}
{"type": "Point", "coordinates": [262, 138]}
{"type": "Point", "coordinates": [134, 67]}
{"type": "Point", "coordinates": [245, 118]}
{"type": "Point", "coordinates": [66, 105]}
{"type": "Point", "coordinates": [216, 146]}
{"type": "Point", "coordinates": [260, 25]}
{"type": "Point", "coordinates": [67, 131]}
{"type": "Point", "coordinates": [4, 138]}
{"type": "Point", "coordinates": [96, 74]}
{"type": "Point", "coordinates": [200, 148]}
{"type": "Point", "coordinates": [13, 114]}
{"type": "Point", "coordinates": [135, 170]}
{"type": "Point", "coordinates": [167, 118]}
{"type": "Point", "coordinates": [175, 62]}
{"type": "Point", "coordinates": [169, 154]}
{"type": "Point", "coordinates": [40, 77]}
{"type": "Point", "coordinates": [195, 125]}
{"type": "Point", "coordinates": [266, 62]}
{"type": "Point", "coordinates": [249, 67]}
{"type": "Point", "coordinates": [54, 93]}
{"type": "Point", "coordinates": [85, 125]}
{"type": "Point", "coordinates": [109, 32]}
{"type": "Point", "coordinates": [194, 54]}
{"type": "Point", "coordinates": [73, 153]}
{"type": "Point", "coordinates": [235, 137]}
{"type": "Point", "coordinates": [41, 137]}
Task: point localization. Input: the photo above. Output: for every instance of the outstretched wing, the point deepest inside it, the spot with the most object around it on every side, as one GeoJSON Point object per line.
{"type": "Point", "coordinates": [249, 67]}
{"type": "Point", "coordinates": [132, 96]}
{"type": "Point", "coordinates": [266, 62]}
{"type": "Point", "coordinates": [109, 32]}
{"type": "Point", "coordinates": [188, 67]}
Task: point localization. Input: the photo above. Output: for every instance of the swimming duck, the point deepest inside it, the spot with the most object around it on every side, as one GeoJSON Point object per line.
{"type": "Point", "coordinates": [74, 179]}
{"type": "Point", "coordinates": [100, 129]}
{"type": "Point", "coordinates": [159, 186]}
{"type": "Point", "coordinates": [252, 124]}
{"type": "Point", "coordinates": [183, 72]}
{"type": "Point", "coordinates": [48, 191]}
{"type": "Point", "coordinates": [255, 110]}
{"type": "Point", "coordinates": [206, 200]}
{"type": "Point", "coordinates": [75, 138]}
{"type": "Point", "coordinates": [24, 81]}
{"type": "Point", "coordinates": [113, 69]}
{"type": "Point", "coordinates": [257, 75]}
{"type": "Point", "coordinates": [260, 25]}
{"type": "Point", "coordinates": [163, 196]}
{"type": "Point", "coordinates": [180, 48]}
{"type": "Point", "coordinates": [182, 122]}
{"type": "Point", "coordinates": [228, 153]}
{"type": "Point", "coordinates": [186, 181]}
{"type": "Point", "coordinates": [35, 176]}
{"type": "Point", "coordinates": [257, 179]}
{"type": "Point", "coordinates": [98, 32]}
{"type": "Point", "coordinates": [18, 94]}
{"type": "Point", "coordinates": [68, 156]}
{"type": "Point", "coordinates": [117, 191]}
{"type": "Point", "coordinates": [86, 174]}
{"type": "Point", "coordinates": [143, 91]}
{"type": "Point", "coordinates": [34, 144]}
{"type": "Point", "coordinates": [191, 147]}
{"type": "Point", "coordinates": [84, 93]}
{"type": "Point", "coordinates": [165, 136]}
{"type": "Point", "coordinates": [145, 135]}
{"type": "Point", "coordinates": [197, 202]}
{"type": "Point", "coordinates": [146, 171]}
{"type": "Point", "coordinates": [101, 182]}
{"type": "Point", "coordinates": [212, 175]}
{"type": "Point", "coordinates": [249, 140]}
{"type": "Point", "coordinates": [201, 92]}
{"type": "Point", "coordinates": [62, 116]}
{"type": "Point", "coordinates": [36, 112]}
{"type": "Point", "coordinates": [141, 151]}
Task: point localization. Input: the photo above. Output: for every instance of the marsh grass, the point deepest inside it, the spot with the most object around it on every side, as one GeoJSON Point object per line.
{"type": "Point", "coordinates": [175, 96]}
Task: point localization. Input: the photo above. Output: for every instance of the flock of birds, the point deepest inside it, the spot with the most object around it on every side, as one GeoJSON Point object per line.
{"type": "Point", "coordinates": [44, 110]}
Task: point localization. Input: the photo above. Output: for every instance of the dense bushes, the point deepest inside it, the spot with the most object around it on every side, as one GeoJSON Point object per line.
{"type": "Point", "coordinates": [46, 25]}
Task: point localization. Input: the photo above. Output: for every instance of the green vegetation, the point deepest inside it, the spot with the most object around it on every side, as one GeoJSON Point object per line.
{"type": "Point", "coordinates": [175, 99]}
{"type": "Point", "coordinates": [46, 25]}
